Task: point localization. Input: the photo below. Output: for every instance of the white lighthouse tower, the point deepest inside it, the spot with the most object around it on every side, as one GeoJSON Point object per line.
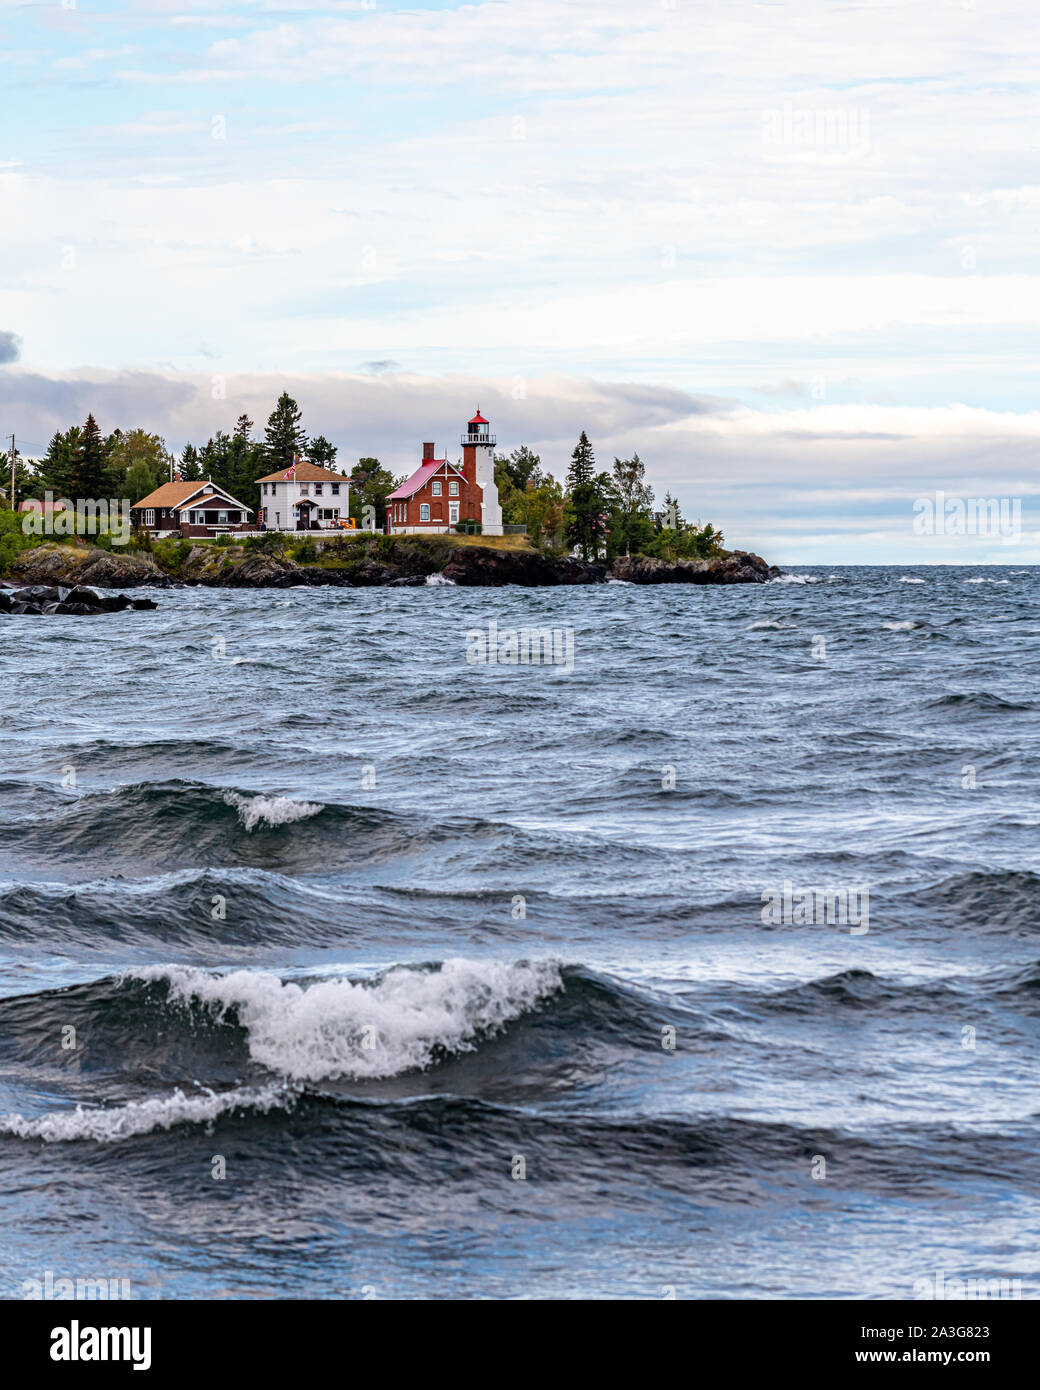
{"type": "Point", "coordinates": [478, 464]}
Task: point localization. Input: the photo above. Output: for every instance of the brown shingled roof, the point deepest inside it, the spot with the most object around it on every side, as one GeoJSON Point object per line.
{"type": "Point", "coordinates": [306, 472]}
{"type": "Point", "coordinates": [177, 495]}
{"type": "Point", "coordinates": [171, 493]}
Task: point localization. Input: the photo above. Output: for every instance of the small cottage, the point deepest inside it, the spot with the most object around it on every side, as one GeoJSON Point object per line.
{"type": "Point", "coordinates": [191, 509]}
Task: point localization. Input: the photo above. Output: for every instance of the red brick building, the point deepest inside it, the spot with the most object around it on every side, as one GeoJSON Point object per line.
{"type": "Point", "coordinates": [440, 494]}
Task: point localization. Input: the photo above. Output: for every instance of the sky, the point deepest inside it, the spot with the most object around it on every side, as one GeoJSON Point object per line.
{"type": "Point", "coordinates": [788, 253]}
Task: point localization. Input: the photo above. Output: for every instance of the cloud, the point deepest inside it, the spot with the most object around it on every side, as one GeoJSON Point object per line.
{"type": "Point", "coordinates": [10, 347]}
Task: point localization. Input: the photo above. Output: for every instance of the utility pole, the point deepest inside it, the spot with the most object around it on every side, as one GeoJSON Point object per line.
{"type": "Point", "coordinates": [12, 472]}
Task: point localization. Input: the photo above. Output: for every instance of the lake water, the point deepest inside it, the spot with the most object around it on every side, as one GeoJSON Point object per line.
{"type": "Point", "coordinates": [336, 964]}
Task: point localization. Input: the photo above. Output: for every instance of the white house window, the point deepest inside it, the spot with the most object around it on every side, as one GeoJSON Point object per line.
{"type": "Point", "coordinates": [149, 516]}
{"type": "Point", "coordinates": [424, 511]}
{"type": "Point", "coordinates": [453, 512]}
{"type": "Point", "coordinates": [453, 487]}
{"type": "Point", "coordinates": [304, 489]}
{"type": "Point", "coordinates": [436, 489]}
{"type": "Point", "coordinates": [221, 518]}
{"type": "Point", "coordinates": [317, 489]}
{"type": "Point", "coordinates": [335, 489]}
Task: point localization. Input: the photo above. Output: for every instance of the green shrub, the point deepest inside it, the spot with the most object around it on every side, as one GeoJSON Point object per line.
{"type": "Point", "coordinates": [267, 543]}
{"type": "Point", "coordinates": [306, 552]}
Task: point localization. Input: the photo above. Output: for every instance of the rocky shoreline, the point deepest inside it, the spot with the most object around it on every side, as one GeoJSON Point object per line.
{"type": "Point", "coordinates": [400, 563]}
{"type": "Point", "coordinates": [78, 601]}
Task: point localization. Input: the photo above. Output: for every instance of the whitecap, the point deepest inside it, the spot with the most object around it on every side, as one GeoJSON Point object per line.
{"type": "Point", "coordinates": [109, 1124]}
{"type": "Point", "coordinates": [270, 810]}
{"type": "Point", "coordinates": [399, 1022]}
{"type": "Point", "coordinates": [439, 579]}
{"type": "Point", "coordinates": [910, 579]}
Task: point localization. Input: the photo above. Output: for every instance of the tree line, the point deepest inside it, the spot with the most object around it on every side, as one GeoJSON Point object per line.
{"type": "Point", "coordinates": [82, 462]}
{"type": "Point", "coordinates": [593, 512]}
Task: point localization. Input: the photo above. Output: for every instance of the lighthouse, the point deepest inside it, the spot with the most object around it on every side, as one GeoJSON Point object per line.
{"type": "Point", "coordinates": [478, 464]}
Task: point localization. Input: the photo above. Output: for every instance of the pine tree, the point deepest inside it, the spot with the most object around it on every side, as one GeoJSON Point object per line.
{"type": "Point", "coordinates": [587, 523]}
{"type": "Point", "coordinates": [284, 435]}
{"type": "Point", "coordinates": [321, 452]}
{"type": "Point", "coordinates": [57, 467]}
{"type": "Point", "coordinates": [26, 481]}
{"type": "Point", "coordinates": [90, 472]}
{"type": "Point", "coordinates": [523, 468]}
{"type": "Point", "coordinates": [189, 470]}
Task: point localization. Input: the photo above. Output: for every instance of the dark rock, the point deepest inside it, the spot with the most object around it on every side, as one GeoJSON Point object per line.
{"type": "Point", "coordinates": [480, 566]}
{"type": "Point", "coordinates": [80, 594]}
{"type": "Point", "coordinates": [115, 603]}
{"type": "Point", "coordinates": [140, 603]}
{"type": "Point", "coordinates": [260, 571]}
{"type": "Point", "coordinates": [110, 571]}
{"type": "Point", "coordinates": [52, 564]}
{"type": "Point", "coordinates": [26, 608]}
{"type": "Point", "coordinates": [39, 593]}
{"type": "Point", "coordinates": [735, 567]}
{"type": "Point", "coordinates": [78, 609]}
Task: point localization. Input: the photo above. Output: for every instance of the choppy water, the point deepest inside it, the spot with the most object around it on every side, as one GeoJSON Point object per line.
{"type": "Point", "coordinates": [335, 987]}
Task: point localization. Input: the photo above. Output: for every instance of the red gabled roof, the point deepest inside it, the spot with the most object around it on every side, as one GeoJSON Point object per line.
{"type": "Point", "coordinates": [414, 483]}
{"type": "Point", "coordinates": [478, 419]}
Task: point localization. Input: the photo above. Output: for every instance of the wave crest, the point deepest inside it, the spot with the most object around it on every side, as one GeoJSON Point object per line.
{"type": "Point", "coordinates": [404, 1020]}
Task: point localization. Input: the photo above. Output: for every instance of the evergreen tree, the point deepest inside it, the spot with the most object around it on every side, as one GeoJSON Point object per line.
{"type": "Point", "coordinates": [284, 435]}
{"type": "Point", "coordinates": [57, 466]}
{"type": "Point", "coordinates": [321, 452]}
{"type": "Point", "coordinates": [587, 522]}
{"type": "Point", "coordinates": [213, 460]}
{"type": "Point", "coordinates": [523, 468]}
{"type": "Point", "coordinates": [189, 470]}
{"type": "Point", "coordinates": [27, 482]}
{"type": "Point", "coordinates": [671, 517]}
{"type": "Point", "coordinates": [90, 475]}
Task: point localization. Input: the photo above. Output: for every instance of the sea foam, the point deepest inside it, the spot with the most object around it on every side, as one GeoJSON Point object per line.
{"type": "Point", "coordinates": [400, 1021]}
{"type": "Point", "coordinates": [271, 811]}
{"type": "Point", "coordinates": [108, 1125]}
